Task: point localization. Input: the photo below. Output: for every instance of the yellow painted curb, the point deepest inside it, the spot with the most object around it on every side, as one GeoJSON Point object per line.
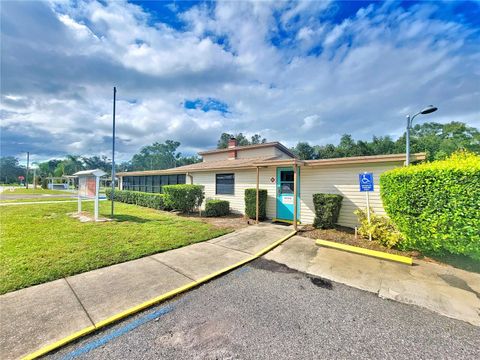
{"type": "Point", "coordinates": [46, 349]}
{"type": "Point", "coordinates": [362, 251]}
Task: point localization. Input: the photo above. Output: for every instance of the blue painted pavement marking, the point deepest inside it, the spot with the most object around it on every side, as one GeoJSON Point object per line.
{"type": "Point", "coordinates": [117, 333]}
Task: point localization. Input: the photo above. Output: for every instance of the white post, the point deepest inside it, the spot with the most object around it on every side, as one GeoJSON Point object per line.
{"type": "Point", "coordinates": [368, 214]}
{"type": "Point", "coordinates": [79, 203]}
{"type": "Point", "coordinates": [97, 188]}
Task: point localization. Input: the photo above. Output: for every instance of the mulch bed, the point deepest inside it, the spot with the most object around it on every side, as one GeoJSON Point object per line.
{"type": "Point", "coordinates": [346, 235]}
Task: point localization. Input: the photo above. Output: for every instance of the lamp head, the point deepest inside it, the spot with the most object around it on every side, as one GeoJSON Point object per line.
{"type": "Point", "coordinates": [429, 109]}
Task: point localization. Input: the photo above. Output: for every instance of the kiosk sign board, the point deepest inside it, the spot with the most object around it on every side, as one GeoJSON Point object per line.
{"type": "Point", "coordinates": [89, 186]}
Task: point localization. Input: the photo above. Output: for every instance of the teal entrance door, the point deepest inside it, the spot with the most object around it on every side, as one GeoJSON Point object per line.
{"type": "Point", "coordinates": [285, 194]}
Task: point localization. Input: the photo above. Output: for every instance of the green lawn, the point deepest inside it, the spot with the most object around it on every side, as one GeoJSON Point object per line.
{"type": "Point", "coordinates": [30, 190]}
{"type": "Point", "coordinates": [5, 199]}
{"type": "Point", "coordinates": [40, 243]}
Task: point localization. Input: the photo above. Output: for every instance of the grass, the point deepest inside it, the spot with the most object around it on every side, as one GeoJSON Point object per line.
{"type": "Point", "coordinates": [42, 243]}
{"type": "Point", "coordinates": [5, 199]}
{"type": "Point", "coordinates": [31, 191]}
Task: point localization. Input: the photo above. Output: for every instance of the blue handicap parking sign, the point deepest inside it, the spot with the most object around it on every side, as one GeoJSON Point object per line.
{"type": "Point", "coordinates": [365, 181]}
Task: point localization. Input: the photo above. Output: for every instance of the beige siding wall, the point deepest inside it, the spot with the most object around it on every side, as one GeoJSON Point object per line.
{"type": "Point", "coordinates": [270, 151]}
{"type": "Point", "coordinates": [243, 179]}
{"type": "Point", "coordinates": [215, 156]}
{"type": "Point", "coordinates": [256, 153]}
{"type": "Point", "coordinates": [280, 154]}
{"type": "Point", "coordinates": [341, 180]}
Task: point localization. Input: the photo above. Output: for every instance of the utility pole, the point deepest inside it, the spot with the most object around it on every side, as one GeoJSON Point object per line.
{"type": "Point", "coordinates": [113, 150]}
{"type": "Point", "coordinates": [28, 164]}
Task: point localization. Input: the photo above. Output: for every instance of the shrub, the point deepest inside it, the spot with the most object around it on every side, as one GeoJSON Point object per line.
{"type": "Point", "coordinates": [436, 205]}
{"type": "Point", "coordinates": [184, 198]}
{"type": "Point", "coordinates": [215, 207]}
{"type": "Point", "coordinates": [380, 227]}
{"type": "Point", "coordinates": [327, 209]}
{"type": "Point", "coordinates": [251, 203]}
{"type": "Point", "coordinates": [151, 200]}
{"type": "Point", "coordinates": [45, 183]}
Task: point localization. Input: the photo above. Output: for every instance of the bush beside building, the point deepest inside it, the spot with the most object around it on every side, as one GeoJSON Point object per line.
{"type": "Point", "coordinates": [436, 205]}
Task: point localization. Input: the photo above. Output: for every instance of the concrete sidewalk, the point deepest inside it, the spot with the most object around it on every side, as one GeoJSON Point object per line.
{"type": "Point", "coordinates": [38, 316]}
{"type": "Point", "coordinates": [441, 288]}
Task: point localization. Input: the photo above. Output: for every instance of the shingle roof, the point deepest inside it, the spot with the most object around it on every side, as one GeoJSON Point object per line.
{"type": "Point", "coordinates": [274, 161]}
{"type": "Point", "coordinates": [204, 166]}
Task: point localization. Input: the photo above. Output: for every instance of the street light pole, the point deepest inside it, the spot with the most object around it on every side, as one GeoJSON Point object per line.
{"type": "Point", "coordinates": [428, 110]}
{"type": "Point", "coordinates": [407, 161]}
{"type": "Point", "coordinates": [28, 165]}
{"type": "Point", "coordinates": [113, 150]}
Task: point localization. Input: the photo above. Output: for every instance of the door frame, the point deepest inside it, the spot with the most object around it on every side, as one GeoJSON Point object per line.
{"type": "Point", "coordinates": [278, 184]}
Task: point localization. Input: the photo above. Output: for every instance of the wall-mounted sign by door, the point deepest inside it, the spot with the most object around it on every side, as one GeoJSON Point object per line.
{"type": "Point", "coordinates": [288, 200]}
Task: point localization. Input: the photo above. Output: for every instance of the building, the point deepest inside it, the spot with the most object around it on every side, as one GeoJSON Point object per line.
{"type": "Point", "coordinates": [226, 173]}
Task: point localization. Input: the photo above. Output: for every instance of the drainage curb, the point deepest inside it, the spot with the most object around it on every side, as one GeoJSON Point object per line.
{"type": "Point", "coordinates": [362, 251]}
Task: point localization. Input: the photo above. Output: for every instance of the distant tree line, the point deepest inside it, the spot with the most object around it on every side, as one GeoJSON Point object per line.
{"type": "Point", "coordinates": [437, 140]}
{"type": "Point", "coordinates": [152, 157]}
{"type": "Point", "coordinates": [242, 140]}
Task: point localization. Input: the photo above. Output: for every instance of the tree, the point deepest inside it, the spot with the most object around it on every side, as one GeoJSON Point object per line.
{"type": "Point", "coordinates": [69, 166]}
{"type": "Point", "coordinates": [47, 168]}
{"type": "Point", "coordinates": [242, 140]}
{"type": "Point", "coordinates": [160, 156]}
{"type": "Point", "coordinates": [304, 151]}
{"type": "Point", "coordinates": [97, 162]}
{"type": "Point", "coordinates": [441, 140]}
{"type": "Point", "coordinates": [328, 151]}
{"type": "Point", "coordinates": [437, 140]}
{"type": "Point", "coordinates": [10, 170]}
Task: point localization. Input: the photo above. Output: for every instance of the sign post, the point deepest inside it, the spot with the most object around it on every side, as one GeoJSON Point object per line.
{"type": "Point", "coordinates": [89, 187]}
{"type": "Point", "coordinates": [366, 184]}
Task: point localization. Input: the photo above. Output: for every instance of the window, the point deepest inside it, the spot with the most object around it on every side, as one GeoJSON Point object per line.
{"type": "Point", "coordinates": [151, 183]}
{"type": "Point", "coordinates": [225, 184]}
{"type": "Point", "coordinates": [157, 184]}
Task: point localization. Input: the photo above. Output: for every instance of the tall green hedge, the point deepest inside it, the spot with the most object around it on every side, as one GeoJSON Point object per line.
{"type": "Point", "coordinates": [251, 203]}
{"type": "Point", "coordinates": [184, 198]}
{"type": "Point", "coordinates": [327, 209]}
{"type": "Point", "coordinates": [436, 205]}
{"type": "Point", "coordinates": [154, 201]}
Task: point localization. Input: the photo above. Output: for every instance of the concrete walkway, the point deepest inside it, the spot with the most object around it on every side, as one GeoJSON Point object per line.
{"type": "Point", "coordinates": [443, 289]}
{"type": "Point", "coordinates": [35, 317]}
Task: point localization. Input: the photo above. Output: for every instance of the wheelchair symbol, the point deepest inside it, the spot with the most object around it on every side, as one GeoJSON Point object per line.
{"type": "Point", "coordinates": [365, 180]}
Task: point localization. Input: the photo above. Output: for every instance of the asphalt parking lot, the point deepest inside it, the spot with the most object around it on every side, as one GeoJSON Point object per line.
{"type": "Point", "coordinates": [267, 311]}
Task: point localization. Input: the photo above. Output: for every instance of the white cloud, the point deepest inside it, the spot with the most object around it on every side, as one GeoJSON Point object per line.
{"type": "Point", "coordinates": [60, 61]}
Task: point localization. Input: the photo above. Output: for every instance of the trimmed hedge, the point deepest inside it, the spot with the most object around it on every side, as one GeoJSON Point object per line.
{"type": "Point", "coordinates": [216, 207]}
{"type": "Point", "coordinates": [327, 209]}
{"type": "Point", "coordinates": [251, 203]}
{"type": "Point", "coordinates": [184, 197]}
{"type": "Point", "coordinates": [436, 205]}
{"type": "Point", "coordinates": [151, 200]}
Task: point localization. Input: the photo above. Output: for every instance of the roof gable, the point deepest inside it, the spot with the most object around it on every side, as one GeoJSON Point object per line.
{"type": "Point", "coordinates": [275, 144]}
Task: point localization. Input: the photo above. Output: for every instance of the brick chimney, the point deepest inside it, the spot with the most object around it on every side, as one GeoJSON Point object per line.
{"type": "Point", "coordinates": [232, 143]}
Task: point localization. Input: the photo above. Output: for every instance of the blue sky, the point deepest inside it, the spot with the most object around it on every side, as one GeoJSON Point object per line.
{"type": "Point", "coordinates": [188, 71]}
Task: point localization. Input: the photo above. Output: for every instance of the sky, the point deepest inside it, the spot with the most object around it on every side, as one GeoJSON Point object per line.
{"type": "Point", "coordinates": [188, 71]}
